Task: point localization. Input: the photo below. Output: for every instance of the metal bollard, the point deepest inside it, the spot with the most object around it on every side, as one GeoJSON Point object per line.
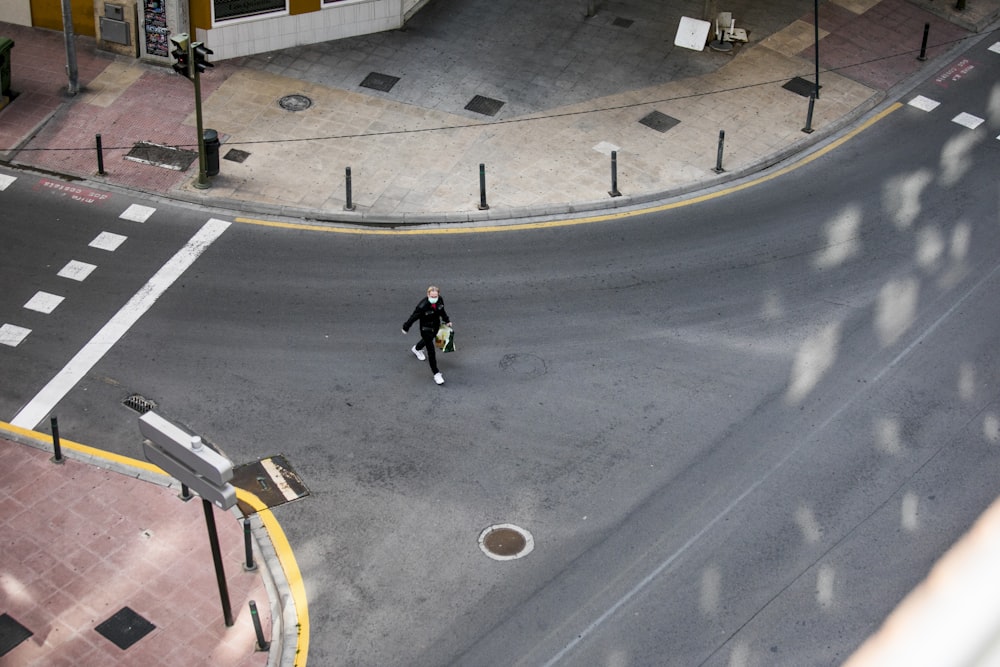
{"type": "Point", "coordinates": [57, 456]}
{"type": "Point", "coordinates": [261, 644]}
{"type": "Point", "coordinates": [614, 175]}
{"type": "Point", "coordinates": [808, 129]}
{"type": "Point", "coordinates": [923, 44]}
{"type": "Point", "coordinates": [482, 187]}
{"type": "Point", "coordinates": [100, 157]}
{"type": "Point", "coordinates": [249, 565]}
{"type": "Point", "coordinates": [718, 158]}
{"type": "Point", "coordinates": [185, 494]}
{"type": "Point", "coordinates": [349, 206]}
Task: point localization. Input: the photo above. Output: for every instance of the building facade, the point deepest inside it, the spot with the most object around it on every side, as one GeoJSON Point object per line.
{"type": "Point", "coordinates": [231, 28]}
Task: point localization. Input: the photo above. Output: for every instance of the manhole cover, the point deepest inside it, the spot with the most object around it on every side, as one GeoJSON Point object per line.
{"type": "Point", "coordinates": [125, 628]}
{"type": "Point", "coordinates": [622, 23]}
{"type": "Point", "coordinates": [506, 542]}
{"type": "Point", "coordinates": [658, 121]}
{"type": "Point", "coordinates": [295, 103]}
{"type": "Point", "coordinates": [12, 633]}
{"type": "Point", "coordinates": [380, 82]}
{"type": "Point", "coordinates": [801, 86]}
{"type": "Point", "coordinates": [484, 105]}
{"type": "Point", "coordinates": [236, 155]}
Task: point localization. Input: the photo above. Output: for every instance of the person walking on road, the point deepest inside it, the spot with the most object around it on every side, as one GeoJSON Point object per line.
{"type": "Point", "coordinates": [431, 313]}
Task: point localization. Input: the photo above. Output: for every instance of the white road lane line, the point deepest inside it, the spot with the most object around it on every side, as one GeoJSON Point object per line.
{"type": "Point", "coordinates": [41, 405]}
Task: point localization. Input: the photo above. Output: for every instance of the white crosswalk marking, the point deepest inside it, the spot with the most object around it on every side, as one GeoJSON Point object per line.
{"type": "Point", "coordinates": [6, 181]}
{"type": "Point", "coordinates": [108, 241]}
{"type": "Point", "coordinates": [12, 335]}
{"type": "Point", "coordinates": [995, 48]}
{"type": "Point", "coordinates": [967, 120]}
{"type": "Point", "coordinates": [43, 302]}
{"type": "Point", "coordinates": [924, 103]}
{"type": "Point", "coordinates": [137, 213]}
{"type": "Point", "coordinates": [76, 270]}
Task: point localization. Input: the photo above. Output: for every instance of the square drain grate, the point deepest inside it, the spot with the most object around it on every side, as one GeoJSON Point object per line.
{"type": "Point", "coordinates": [168, 157]}
{"type": "Point", "coordinates": [139, 404]}
{"type": "Point", "coordinates": [660, 122]}
{"type": "Point", "coordinates": [484, 105]}
{"type": "Point", "coordinates": [801, 86]}
{"type": "Point", "coordinates": [619, 22]}
{"type": "Point", "coordinates": [12, 633]}
{"type": "Point", "coordinates": [125, 628]}
{"type": "Point", "coordinates": [271, 479]}
{"type": "Point", "coordinates": [380, 82]}
{"type": "Point", "coordinates": [236, 155]}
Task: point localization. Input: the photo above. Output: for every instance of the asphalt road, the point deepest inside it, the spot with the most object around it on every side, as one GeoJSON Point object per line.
{"type": "Point", "coordinates": [739, 430]}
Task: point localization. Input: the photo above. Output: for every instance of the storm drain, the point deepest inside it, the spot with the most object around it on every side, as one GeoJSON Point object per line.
{"type": "Point", "coordinates": [295, 103]}
{"type": "Point", "coordinates": [380, 82]}
{"type": "Point", "coordinates": [168, 157]}
{"type": "Point", "coordinates": [139, 404]}
{"type": "Point", "coordinates": [622, 23]}
{"type": "Point", "coordinates": [236, 155]}
{"type": "Point", "coordinates": [506, 541]}
{"type": "Point", "coordinates": [484, 105]}
{"type": "Point", "coordinates": [125, 628]}
{"type": "Point", "coordinates": [800, 86]}
{"type": "Point", "coordinates": [658, 121]}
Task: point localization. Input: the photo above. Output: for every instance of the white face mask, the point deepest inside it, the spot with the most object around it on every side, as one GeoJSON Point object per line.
{"type": "Point", "coordinates": [432, 299]}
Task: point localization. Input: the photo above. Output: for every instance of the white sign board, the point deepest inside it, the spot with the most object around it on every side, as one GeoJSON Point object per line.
{"type": "Point", "coordinates": [692, 33]}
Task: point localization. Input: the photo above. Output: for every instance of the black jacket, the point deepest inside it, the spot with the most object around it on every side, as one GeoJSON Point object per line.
{"type": "Point", "coordinates": [431, 315]}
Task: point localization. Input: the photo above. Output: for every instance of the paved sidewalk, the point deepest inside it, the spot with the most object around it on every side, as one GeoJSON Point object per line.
{"type": "Point", "coordinates": [81, 543]}
{"type": "Point", "coordinates": [570, 90]}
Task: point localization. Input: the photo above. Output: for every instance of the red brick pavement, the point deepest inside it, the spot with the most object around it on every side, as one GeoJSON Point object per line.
{"type": "Point", "coordinates": [78, 543]}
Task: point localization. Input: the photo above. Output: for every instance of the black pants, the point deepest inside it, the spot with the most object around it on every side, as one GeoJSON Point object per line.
{"type": "Point", "coordinates": [427, 337]}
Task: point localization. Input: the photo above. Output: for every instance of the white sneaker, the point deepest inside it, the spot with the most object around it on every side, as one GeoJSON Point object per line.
{"type": "Point", "coordinates": [419, 353]}
{"type": "Point", "coordinates": [439, 378]}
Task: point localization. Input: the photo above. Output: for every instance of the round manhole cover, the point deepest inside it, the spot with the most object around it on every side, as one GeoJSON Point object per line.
{"type": "Point", "coordinates": [525, 365]}
{"type": "Point", "coordinates": [506, 542]}
{"type": "Point", "coordinates": [295, 102]}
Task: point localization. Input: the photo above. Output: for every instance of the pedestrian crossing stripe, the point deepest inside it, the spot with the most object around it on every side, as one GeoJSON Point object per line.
{"type": "Point", "coordinates": [924, 103]}
{"type": "Point", "coordinates": [137, 213]}
{"type": "Point", "coordinates": [968, 120]}
{"type": "Point", "coordinates": [107, 241]}
{"type": "Point", "coordinates": [5, 181]}
{"type": "Point", "coordinates": [43, 302]}
{"type": "Point", "coordinates": [12, 335]}
{"type": "Point", "coordinates": [995, 48]}
{"type": "Point", "coordinates": [76, 270]}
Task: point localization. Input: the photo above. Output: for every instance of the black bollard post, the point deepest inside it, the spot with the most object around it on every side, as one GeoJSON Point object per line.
{"type": "Point", "coordinates": [482, 187]}
{"type": "Point", "coordinates": [185, 494]}
{"type": "Point", "coordinates": [57, 456]}
{"type": "Point", "coordinates": [261, 644]}
{"type": "Point", "coordinates": [718, 158]}
{"type": "Point", "coordinates": [249, 565]}
{"type": "Point", "coordinates": [349, 206]}
{"type": "Point", "coordinates": [923, 44]}
{"type": "Point", "coordinates": [100, 157]}
{"type": "Point", "coordinates": [809, 116]}
{"type": "Point", "coordinates": [614, 175]}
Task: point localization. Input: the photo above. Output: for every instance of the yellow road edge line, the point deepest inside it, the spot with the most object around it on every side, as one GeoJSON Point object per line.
{"type": "Point", "coordinates": [291, 568]}
{"type": "Point", "coordinates": [581, 221]}
{"type": "Point", "coordinates": [274, 531]}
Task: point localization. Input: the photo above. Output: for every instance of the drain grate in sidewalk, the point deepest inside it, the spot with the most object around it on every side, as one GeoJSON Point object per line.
{"type": "Point", "coordinates": [168, 157]}
{"type": "Point", "coordinates": [658, 121]}
{"type": "Point", "coordinates": [125, 628]}
{"type": "Point", "coordinates": [12, 633]}
{"type": "Point", "coordinates": [380, 82]}
{"type": "Point", "coordinates": [236, 155]}
{"type": "Point", "coordinates": [484, 105]}
{"type": "Point", "coordinates": [801, 86]}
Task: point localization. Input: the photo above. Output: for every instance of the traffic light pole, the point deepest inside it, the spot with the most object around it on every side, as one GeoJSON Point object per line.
{"type": "Point", "coordinates": [202, 183]}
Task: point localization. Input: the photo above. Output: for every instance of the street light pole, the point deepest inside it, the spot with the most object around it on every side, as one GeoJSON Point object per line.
{"type": "Point", "coordinates": [816, 39]}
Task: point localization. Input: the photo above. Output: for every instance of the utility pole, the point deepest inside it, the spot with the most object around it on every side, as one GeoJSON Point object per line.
{"type": "Point", "coordinates": [71, 68]}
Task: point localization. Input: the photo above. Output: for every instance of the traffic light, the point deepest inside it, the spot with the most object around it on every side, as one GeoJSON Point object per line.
{"type": "Point", "coordinates": [182, 64]}
{"type": "Point", "coordinates": [200, 51]}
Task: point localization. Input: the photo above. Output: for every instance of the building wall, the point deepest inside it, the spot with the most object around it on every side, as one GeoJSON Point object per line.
{"type": "Point", "coordinates": [17, 12]}
{"type": "Point", "coordinates": [48, 14]}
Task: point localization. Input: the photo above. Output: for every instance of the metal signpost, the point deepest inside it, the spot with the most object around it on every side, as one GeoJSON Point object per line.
{"type": "Point", "coordinates": [201, 469]}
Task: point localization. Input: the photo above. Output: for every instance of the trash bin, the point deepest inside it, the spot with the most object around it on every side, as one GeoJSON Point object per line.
{"type": "Point", "coordinates": [211, 152]}
{"type": "Point", "coordinates": [6, 45]}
